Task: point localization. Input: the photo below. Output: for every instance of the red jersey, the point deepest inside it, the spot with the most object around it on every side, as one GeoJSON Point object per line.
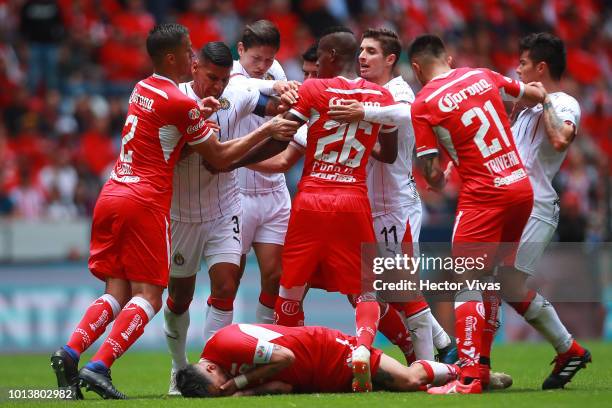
{"type": "Point", "coordinates": [161, 119]}
{"type": "Point", "coordinates": [337, 153]}
{"type": "Point", "coordinates": [464, 111]}
{"type": "Point", "coordinates": [322, 355]}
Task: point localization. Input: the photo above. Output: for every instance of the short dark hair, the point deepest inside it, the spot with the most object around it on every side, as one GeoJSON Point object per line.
{"type": "Point", "coordinates": [310, 54]}
{"type": "Point", "coordinates": [261, 32]}
{"type": "Point", "coordinates": [426, 45]}
{"type": "Point", "coordinates": [164, 38]}
{"type": "Point", "coordinates": [548, 48]}
{"type": "Point", "coordinates": [388, 39]}
{"type": "Point", "coordinates": [217, 53]}
{"type": "Point", "coordinates": [336, 29]}
{"type": "Point", "coordinates": [192, 383]}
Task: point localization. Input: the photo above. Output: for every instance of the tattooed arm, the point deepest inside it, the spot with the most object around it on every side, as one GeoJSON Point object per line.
{"type": "Point", "coordinates": [560, 133]}
{"type": "Point", "coordinates": [433, 173]}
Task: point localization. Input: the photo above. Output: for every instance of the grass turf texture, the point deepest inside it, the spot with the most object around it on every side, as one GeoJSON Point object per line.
{"type": "Point", "coordinates": [144, 378]}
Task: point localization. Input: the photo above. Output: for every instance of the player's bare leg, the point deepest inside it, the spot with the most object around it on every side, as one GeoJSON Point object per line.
{"type": "Point", "coordinates": [129, 326]}
{"type": "Point", "coordinates": [97, 317]}
{"type": "Point", "coordinates": [541, 315]}
{"type": "Point", "coordinates": [176, 323]}
{"type": "Point", "coordinates": [269, 260]}
{"type": "Point", "coordinates": [393, 376]}
{"type": "Point", "coordinates": [224, 281]}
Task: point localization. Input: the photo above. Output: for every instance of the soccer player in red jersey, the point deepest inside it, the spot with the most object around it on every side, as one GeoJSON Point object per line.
{"type": "Point", "coordinates": [130, 237]}
{"type": "Point", "coordinates": [254, 359]}
{"type": "Point", "coordinates": [331, 215]}
{"type": "Point", "coordinates": [462, 110]}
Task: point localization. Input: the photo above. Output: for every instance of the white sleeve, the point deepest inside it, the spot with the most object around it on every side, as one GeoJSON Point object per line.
{"type": "Point", "coordinates": [387, 115]}
{"type": "Point", "coordinates": [247, 100]}
{"type": "Point", "coordinates": [300, 138]}
{"type": "Point", "coordinates": [277, 71]}
{"type": "Point", "coordinates": [567, 109]}
{"type": "Point", "coordinates": [264, 86]}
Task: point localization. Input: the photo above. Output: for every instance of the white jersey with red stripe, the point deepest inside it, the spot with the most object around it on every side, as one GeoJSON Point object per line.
{"type": "Point", "coordinates": [463, 111]}
{"type": "Point", "coordinates": [251, 181]}
{"type": "Point", "coordinates": [391, 186]}
{"type": "Point", "coordinates": [540, 158]}
{"type": "Point", "coordinates": [199, 195]}
{"type": "Point", "coordinates": [160, 120]}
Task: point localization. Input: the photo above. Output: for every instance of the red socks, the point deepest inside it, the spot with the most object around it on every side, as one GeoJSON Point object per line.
{"type": "Point", "coordinates": [367, 314]}
{"type": "Point", "coordinates": [288, 312]}
{"type": "Point", "coordinates": [93, 324]}
{"type": "Point", "coordinates": [222, 304]}
{"type": "Point", "coordinates": [393, 327]}
{"type": "Point", "coordinates": [128, 327]}
{"type": "Point", "coordinates": [469, 325]}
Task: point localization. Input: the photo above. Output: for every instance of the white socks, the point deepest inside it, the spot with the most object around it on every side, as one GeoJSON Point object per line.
{"type": "Point", "coordinates": [216, 319]}
{"type": "Point", "coordinates": [420, 327]}
{"type": "Point", "coordinates": [543, 317]}
{"type": "Point", "coordinates": [175, 327]}
{"type": "Point", "coordinates": [440, 337]}
{"type": "Point", "coordinates": [263, 314]}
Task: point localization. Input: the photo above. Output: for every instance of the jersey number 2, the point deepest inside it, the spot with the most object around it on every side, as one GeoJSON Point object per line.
{"type": "Point", "coordinates": [485, 124]}
{"type": "Point", "coordinates": [126, 155]}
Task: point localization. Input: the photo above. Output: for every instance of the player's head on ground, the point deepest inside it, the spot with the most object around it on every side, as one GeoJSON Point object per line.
{"type": "Point", "coordinates": [309, 62]}
{"type": "Point", "coordinates": [428, 57]}
{"type": "Point", "coordinates": [258, 46]}
{"type": "Point", "coordinates": [169, 47]}
{"type": "Point", "coordinates": [201, 380]}
{"type": "Point", "coordinates": [541, 57]}
{"type": "Point", "coordinates": [336, 52]}
{"type": "Point", "coordinates": [379, 53]}
{"type": "Point", "coordinates": [212, 69]}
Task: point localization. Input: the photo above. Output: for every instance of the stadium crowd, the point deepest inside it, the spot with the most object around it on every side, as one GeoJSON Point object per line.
{"type": "Point", "coordinates": [67, 68]}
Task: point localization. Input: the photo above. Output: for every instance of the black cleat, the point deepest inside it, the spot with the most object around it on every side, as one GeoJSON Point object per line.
{"type": "Point", "coordinates": [66, 371]}
{"type": "Point", "coordinates": [448, 354]}
{"type": "Point", "coordinates": [566, 367]}
{"type": "Point", "coordinates": [99, 383]}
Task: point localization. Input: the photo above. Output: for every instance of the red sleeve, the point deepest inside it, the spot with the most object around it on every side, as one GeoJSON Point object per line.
{"type": "Point", "coordinates": [510, 89]}
{"type": "Point", "coordinates": [232, 345]}
{"type": "Point", "coordinates": [305, 101]}
{"type": "Point", "coordinates": [387, 100]}
{"type": "Point", "coordinates": [426, 142]}
{"type": "Point", "coordinates": [190, 122]}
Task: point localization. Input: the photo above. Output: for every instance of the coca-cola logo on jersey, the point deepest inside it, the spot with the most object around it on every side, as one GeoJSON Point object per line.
{"type": "Point", "coordinates": [451, 101]}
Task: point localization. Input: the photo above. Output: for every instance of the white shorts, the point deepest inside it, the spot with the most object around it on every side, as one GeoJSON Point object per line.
{"type": "Point", "coordinates": [401, 225]}
{"type": "Point", "coordinates": [536, 237]}
{"type": "Point", "coordinates": [217, 240]}
{"type": "Point", "coordinates": [265, 218]}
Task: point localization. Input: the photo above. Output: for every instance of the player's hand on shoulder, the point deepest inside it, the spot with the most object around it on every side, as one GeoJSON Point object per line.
{"type": "Point", "coordinates": [209, 105]}
{"type": "Point", "coordinates": [540, 87]}
{"type": "Point", "coordinates": [350, 111]}
{"type": "Point", "coordinates": [281, 129]}
{"type": "Point", "coordinates": [280, 86]}
{"type": "Point", "coordinates": [288, 99]}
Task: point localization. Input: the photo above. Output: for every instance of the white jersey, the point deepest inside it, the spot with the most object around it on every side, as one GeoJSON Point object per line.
{"type": "Point", "coordinates": [253, 181]}
{"type": "Point", "coordinates": [541, 160]}
{"type": "Point", "coordinates": [391, 186]}
{"type": "Point", "coordinates": [199, 195]}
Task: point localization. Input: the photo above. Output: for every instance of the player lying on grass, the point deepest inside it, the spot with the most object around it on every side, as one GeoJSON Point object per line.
{"type": "Point", "coordinates": [255, 359]}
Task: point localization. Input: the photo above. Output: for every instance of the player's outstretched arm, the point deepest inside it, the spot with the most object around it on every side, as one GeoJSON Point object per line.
{"type": "Point", "coordinates": [281, 358]}
{"type": "Point", "coordinates": [222, 155]}
{"type": "Point", "coordinates": [273, 387]}
{"type": "Point", "coordinates": [280, 163]}
{"type": "Point", "coordinates": [386, 149]}
{"type": "Point", "coordinates": [533, 94]}
{"type": "Point", "coordinates": [356, 111]}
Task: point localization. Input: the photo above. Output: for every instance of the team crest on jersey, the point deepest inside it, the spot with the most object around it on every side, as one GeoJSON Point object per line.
{"type": "Point", "coordinates": [194, 113]}
{"type": "Point", "coordinates": [225, 103]}
{"type": "Point", "coordinates": [178, 259]}
{"type": "Point", "coordinates": [269, 76]}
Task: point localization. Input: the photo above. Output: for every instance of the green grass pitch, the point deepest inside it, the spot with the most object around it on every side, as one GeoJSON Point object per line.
{"type": "Point", "coordinates": [144, 378]}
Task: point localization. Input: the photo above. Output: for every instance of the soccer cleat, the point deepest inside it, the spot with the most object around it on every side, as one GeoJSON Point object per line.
{"type": "Point", "coordinates": [457, 387]}
{"type": "Point", "coordinates": [173, 389]}
{"type": "Point", "coordinates": [448, 354]}
{"type": "Point", "coordinates": [362, 380]}
{"type": "Point", "coordinates": [65, 368]}
{"type": "Point", "coordinates": [566, 366]}
{"type": "Point", "coordinates": [499, 381]}
{"type": "Point", "coordinates": [99, 383]}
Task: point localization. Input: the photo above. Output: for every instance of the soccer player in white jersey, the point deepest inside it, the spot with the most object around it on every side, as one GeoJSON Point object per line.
{"type": "Point", "coordinates": [206, 211]}
{"type": "Point", "coordinates": [543, 134]}
{"type": "Point", "coordinates": [266, 202]}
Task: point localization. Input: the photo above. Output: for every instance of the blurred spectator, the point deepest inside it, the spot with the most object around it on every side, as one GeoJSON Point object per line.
{"type": "Point", "coordinates": [28, 196]}
{"type": "Point", "coordinates": [202, 26]}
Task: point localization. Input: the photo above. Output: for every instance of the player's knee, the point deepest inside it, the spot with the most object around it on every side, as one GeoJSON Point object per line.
{"type": "Point", "coordinates": [225, 289]}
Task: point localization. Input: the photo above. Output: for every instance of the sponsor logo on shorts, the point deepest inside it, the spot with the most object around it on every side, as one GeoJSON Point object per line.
{"type": "Point", "coordinates": [225, 103]}
{"type": "Point", "coordinates": [290, 307]}
{"type": "Point", "coordinates": [178, 259]}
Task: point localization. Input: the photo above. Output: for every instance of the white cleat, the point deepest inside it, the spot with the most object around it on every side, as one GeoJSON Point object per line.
{"type": "Point", "coordinates": [172, 389]}
{"type": "Point", "coordinates": [499, 381]}
{"type": "Point", "coordinates": [362, 379]}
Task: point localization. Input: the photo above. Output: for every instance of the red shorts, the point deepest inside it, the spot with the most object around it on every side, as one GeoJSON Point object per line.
{"type": "Point", "coordinates": [129, 241]}
{"type": "Point", "coordinates": [323, 242]}
{"type": "Point", "coordinates": [491, 225]}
